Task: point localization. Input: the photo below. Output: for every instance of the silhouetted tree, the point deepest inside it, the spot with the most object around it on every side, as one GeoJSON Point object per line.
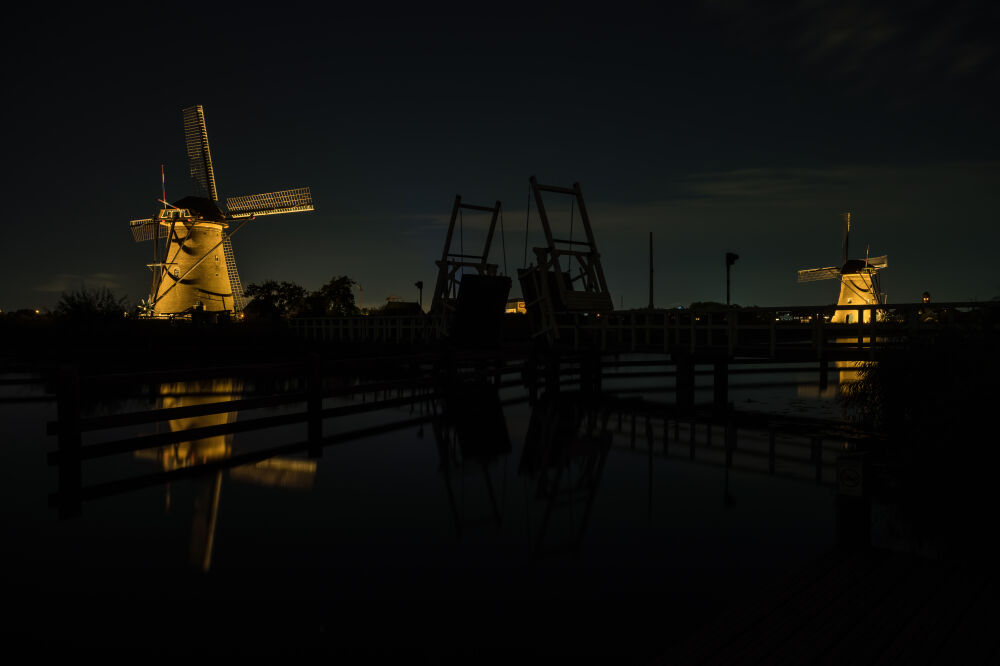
{"type": "Point", "coordinates": [333, 299]}
{"type": "Point", "coordinates": [90, 304]}
{"type": "Point", "coordinates": [273, 300]}
{"type": "Point", "coordinates": [338, 294]}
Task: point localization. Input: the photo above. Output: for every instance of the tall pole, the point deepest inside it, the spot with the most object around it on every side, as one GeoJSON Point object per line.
{"type": "Point", "coordinates": [731, 258]}
{"type": "Point", "coordinates": [650, 270]}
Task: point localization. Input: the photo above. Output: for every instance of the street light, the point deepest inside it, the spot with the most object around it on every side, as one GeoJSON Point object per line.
{"type": "Point", "coordinates": [419, 284]}
{"type": "Point", "coordinates": [731, 258]}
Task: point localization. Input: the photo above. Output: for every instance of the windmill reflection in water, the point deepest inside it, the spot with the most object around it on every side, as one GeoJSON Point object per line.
{"type": "Point", "coordinates": [281, 472]}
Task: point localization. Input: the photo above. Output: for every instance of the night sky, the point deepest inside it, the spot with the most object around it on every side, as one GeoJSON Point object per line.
{"type": "Point", "coordinates": [718, 126]}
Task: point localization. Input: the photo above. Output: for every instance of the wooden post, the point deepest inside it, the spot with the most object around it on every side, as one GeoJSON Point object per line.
{"type": "Point", "coordinates": [314, 405]}
{"type": "Point", "coordinates": [69, 441]}
{"type": "Point", "coordinates": [691, 455]}
{"type": "Point", "coordinates": [731, 319]}
{"type": "Point", "coordinates": [773, 325]}
{"type": "Point", "coordinates": [552, 373]}
{"type": "Point", "coordinates": [819, 335]}
{"type": "Point", "coordinates": [720, 384]}
{"type": "Point", "coordinates": [730, 440]}
{"type": "Point", "coordinates": [530, 376]}
{"type": "Point", "coordinates": [770, 449]}
{"type": "Point", "coordinates": [817, 456]}
{"type": "Point", "coordinates": [691, 315]}
{"type": "Point", "coordinates": [684, 382]}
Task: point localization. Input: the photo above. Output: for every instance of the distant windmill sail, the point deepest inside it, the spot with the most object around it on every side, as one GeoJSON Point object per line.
{"type": "Point", "coordinates": [813, 274]}
{"type": "Point", "coordinates": [878, 262]}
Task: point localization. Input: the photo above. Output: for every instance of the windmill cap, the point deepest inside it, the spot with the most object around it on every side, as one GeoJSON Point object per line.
{"type": "Point", "coordinates": [854, 266]}
{"type": "Point", "coordinates": [202, 207]}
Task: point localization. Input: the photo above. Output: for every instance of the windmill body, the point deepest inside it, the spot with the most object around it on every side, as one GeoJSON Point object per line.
{"type": "Point", "coordinates": [205, 285]}
{"type": "Point", "coordinates": [195, 270]}
{"type": "Point", "coordinates": [859, 283]}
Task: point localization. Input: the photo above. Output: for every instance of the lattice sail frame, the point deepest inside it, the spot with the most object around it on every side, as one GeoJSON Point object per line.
{"type": "Point", "coordinates": [816, 274]}
{"type": "Point", "coordinates": [295, 200]}
{"type": "Point", "coordinates": [143, 230]}
{"type": "Point", "coordinates": [199, 155]}
{"type": "Point", "coordinates": [872, 264]}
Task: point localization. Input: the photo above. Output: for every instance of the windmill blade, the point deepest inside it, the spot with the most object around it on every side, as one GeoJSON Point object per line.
{"type": "Point", "coordinates": [878, 262]}
{"type": "Point", "coordinates": [272, 203]}
{"type": "Point", "coordinates": [144, 230]}
{"type": "Point", "coordinates": [847, 234]}
{"type": "Point", "coordinates": [813, 274]}
{"type": "Point", "coordinates": [234, 276]}
{"type": "Point", "coordinates": [199, 156]}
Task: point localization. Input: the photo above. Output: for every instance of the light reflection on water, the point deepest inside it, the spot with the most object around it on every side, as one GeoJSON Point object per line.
{"type": "Point", "coordinates": [483, 500]}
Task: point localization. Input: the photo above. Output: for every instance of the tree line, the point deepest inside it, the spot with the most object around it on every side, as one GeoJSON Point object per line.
{"type": "Point", "coordinates": [275, 300]}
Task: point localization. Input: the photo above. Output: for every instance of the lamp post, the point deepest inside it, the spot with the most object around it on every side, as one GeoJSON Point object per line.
{"type": "Point", "coordinates": [419, 284]}
{"type": "Point", "coordinates": [731, 258]}
{"type": "Point", "coordinates": [361, 296]}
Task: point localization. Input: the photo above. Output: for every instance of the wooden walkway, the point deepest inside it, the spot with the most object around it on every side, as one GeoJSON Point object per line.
{"type": "Point", "coordinates": [857, 607]}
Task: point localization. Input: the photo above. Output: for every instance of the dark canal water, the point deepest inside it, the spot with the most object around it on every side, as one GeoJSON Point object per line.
{"type": "Point", "coordinates": [514, 530]}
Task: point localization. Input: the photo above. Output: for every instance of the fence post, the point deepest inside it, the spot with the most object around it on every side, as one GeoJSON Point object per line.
{"type": "Point", "coordinates": [773, 326]}
{"type": "Point", "coordinates": [770, 449]}
{"type": "Point", "coordinates": [721, 384]}
{"type": "Point", "coordinates": [69, 441]}
{"type": "Point", "coordinates": [684, 381]}
{"type": "Point", "coordinates": [314, 405]}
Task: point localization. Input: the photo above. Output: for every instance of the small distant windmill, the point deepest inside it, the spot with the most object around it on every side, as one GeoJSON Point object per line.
{"type": "Point", "coordinates": [197, 269]}
{"type": "Point", "coordinates": [859, 283]}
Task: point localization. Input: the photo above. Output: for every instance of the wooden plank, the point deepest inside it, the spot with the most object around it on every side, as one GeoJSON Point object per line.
{"type": "Point", "coordinates": [97, 491]}
{"type": "Point", "coordinates": [927, 630]}
{"type": "Point", "coordinates": [168, 413]}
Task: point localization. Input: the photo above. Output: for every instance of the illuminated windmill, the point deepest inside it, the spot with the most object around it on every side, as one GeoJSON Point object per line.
{"type": "Point", "coordinates": [859, 284]}
{"type": "Point", "coordinates": [196, 270]}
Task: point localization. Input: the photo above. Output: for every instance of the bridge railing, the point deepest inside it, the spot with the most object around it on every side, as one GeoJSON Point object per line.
{"type": "Point", "coordinates": [410, 329]}
{"type": "Point", "coordinates": [770, 331]}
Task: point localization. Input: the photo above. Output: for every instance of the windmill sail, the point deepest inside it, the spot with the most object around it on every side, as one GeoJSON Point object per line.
{"type": "Point", "coordinates": [847, 235]}
{"type": "Point", "coordinates": [814, 274]}
{"type": "Point", "coordinates": [878, 262]}
{"type": "Point", "coordinates": [144, 230]}
{"type": "Point", "coordinates": [234, 276]}
{"type": "Point", "coordinates": [199, 155]}
{"type": "Point", "coordinates": [272, 203]}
